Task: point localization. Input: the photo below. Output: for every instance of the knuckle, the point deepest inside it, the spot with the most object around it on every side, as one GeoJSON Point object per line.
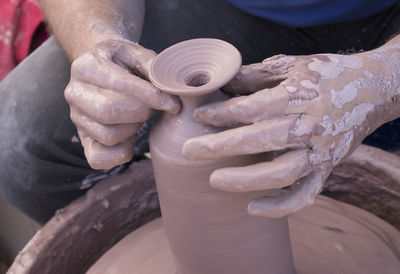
{"type": "Point", "coordinates": [86, 63]}
{"type": "Point", "coordinates": [149, 54]}
{"type": "Point", "coordinates": [109, 135]}
{"type": "Point", "coordinates": [107, 140]}
{"type": "Point", "coordinates": [103, 112]}
{"type": "Point", "coordinates": [120, 112]}
{"type": "Point", "coordinates": [106, 107]}
{"type": "Point", "coordinates": [125, 156]}
{"type": "Point", "coordinates": [74, 117]}
{"type": "Point", "coordinates": [96, 162]}
{"type": "Point", "coordinates": [79, 62]}
{"type": "Point", "coordinates": [68, 92]}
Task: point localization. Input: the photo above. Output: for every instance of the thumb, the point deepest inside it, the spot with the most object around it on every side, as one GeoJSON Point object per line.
{"type": "Point", "coordinates": [100, 156]}
{"type": "Point", "coordinates": [254, 77]}
{"type": "Point", "coordinates": [135, 57]}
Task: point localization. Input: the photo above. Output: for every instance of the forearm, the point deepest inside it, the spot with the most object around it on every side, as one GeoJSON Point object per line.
{"type": "Point", "coordinates": [387, 58]}
{"type": "Point", "coordinates": [80, 24]}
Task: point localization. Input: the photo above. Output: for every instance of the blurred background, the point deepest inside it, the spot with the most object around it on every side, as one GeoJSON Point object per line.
{"type": "Point", "coordinates": [22, 30]}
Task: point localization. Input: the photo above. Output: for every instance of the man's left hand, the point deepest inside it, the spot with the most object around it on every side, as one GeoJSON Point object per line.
{"type": "Point", "coordinates": [313, 110]}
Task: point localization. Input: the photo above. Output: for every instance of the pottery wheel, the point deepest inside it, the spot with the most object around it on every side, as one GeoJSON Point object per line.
{"type": "Point", "coordinates": [329, 237]}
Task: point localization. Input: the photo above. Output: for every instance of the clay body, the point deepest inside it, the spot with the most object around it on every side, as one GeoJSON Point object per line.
{"type": "Point", "coordinates": [209, 230]}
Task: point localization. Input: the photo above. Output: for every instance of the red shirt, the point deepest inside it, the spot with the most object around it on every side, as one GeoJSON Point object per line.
{"type": "Point", "coordinates": [19, 19]}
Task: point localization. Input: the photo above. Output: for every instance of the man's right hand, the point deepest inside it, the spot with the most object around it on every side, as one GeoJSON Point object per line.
{"type": "Point", "coordinates": [110, 97]}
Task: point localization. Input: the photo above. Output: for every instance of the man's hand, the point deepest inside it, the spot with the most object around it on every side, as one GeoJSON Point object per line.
{"type": "Point", "coordinates": [312, 110]}
{"type": "Point", "coordinates": [110, 97]}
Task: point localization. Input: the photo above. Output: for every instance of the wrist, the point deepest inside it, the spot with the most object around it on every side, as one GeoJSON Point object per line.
{"type": "Point", "coordinates": [384, 69]}
{"type": "Point", "coordinates": [97, 32]}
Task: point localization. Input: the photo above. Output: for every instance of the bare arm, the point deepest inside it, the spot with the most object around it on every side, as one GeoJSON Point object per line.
{"type": "Point", "coordinates": [109, 93]}
{"type": "Point", "coordinates": [80, 24]}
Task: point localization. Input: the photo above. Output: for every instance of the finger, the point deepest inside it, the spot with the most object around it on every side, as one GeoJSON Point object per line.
{"type": "Point", "coordinates": [108, 135]}
{"type": "Point", "coordinates": [101, 72]}
{"type": "Point", "coordinates": [262, 105]}
{"type": "Point", "coordinates": [105, 106]}
{"type": "Point", "coordinates": [254, 77]}
{"type": "Point", "coordinates": [282, 171]}
{"type": "Point", "coordinates": [100, 156]}
{"type": "Point", "coordinates": [135, 57]}
{"type": "Point", "coordinates": [270, 135]}
{"type": "Point", "coordinates": [303, 195]}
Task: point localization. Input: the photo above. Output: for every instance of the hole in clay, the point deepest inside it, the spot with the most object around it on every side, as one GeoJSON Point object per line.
{"type": "Point", "coordinates": [197, 79]}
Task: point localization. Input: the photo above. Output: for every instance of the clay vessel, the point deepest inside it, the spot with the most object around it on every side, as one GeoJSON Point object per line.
{"type": "Point", "coordinates": [209, 231]}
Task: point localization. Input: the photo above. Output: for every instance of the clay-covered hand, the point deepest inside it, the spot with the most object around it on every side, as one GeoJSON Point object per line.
{"type": "Point", "coordinates": [110, 97]}
{"type": "Point", "coordinates": [313, 111]}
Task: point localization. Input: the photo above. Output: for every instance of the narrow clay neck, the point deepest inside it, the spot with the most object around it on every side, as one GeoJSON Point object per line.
{"type": "Point", "coordinates": [190, 103]}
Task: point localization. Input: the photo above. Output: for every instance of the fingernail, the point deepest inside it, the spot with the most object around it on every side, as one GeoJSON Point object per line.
{"type": "Point", "coordinates": [254, 209]}
{"type": "Point", "coordinates": [203, 114]}
{"type": "Point", "coordinates": [222, 180]}
{"type": "Point", "coordinates": [217, 179]}
{"type": "Point", "coordinates": [194, 150]}
{"type": "Point", "coordinates": [198, 114]}
{"type": "Point", "coordinates": [171, 105]}
{"type": "Point", "coordinates": [266, 209]}
{"type": "Point", "coordinates": [188, 151]}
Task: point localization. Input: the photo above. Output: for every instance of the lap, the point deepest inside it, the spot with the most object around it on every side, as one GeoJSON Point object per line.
{"type": "Point", "coordinates": [42, 163]}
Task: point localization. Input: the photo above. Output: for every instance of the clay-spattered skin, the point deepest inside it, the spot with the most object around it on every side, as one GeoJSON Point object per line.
{"type": "Point", "coordinates": [110, 97]}
{"type": "Point", "coordinates": [321, 105]}
{"type": "Point", "coordinates": [209, 230]}
{"type": "Point", "coordinates": [317, 109]}
{"type": "Point", "coordinates": [109, 92]}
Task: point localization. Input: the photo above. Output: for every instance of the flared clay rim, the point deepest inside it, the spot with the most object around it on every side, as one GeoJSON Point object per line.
{"type": "Point", "coordinates": [215, 62]}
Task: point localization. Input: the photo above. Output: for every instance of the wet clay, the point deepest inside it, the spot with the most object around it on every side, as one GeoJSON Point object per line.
{"type": "Point", "coordinates": [369, 179]}
{"type": "Point", "coordinates": [209, 230]}
{"type": "Point", "coordinates": [80, 233]}
{"type": "Point", "coordinates": [330, 237]}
